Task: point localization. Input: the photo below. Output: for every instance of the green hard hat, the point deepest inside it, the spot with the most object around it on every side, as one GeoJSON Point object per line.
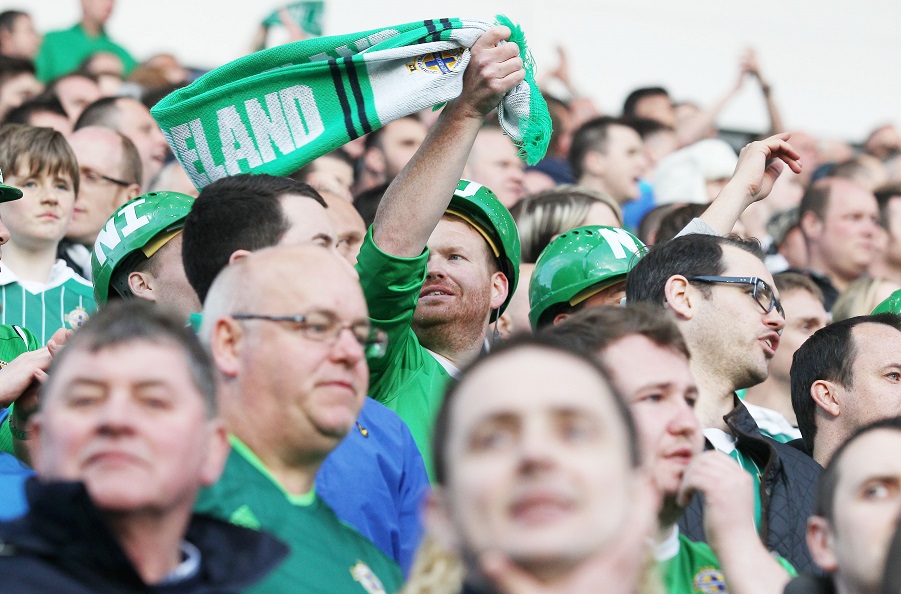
{"type": "Point", "coordinates": [132, 234]}
{"type": "Point", "coordinates": [892, 304]}
{"type": "Point", "coordinates": [578, 261]}
{"type": "Point", "coordinates": [8, 193]}
{"type": "Point", "coordinates": [478, 206]}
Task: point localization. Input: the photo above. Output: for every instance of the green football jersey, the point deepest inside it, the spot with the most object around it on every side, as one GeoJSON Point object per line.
{"type": "Point", "coordinates": [694, 569]}
{"type": "Point", "coordinates": [65, 301]}
{"type": "Point", "coordinates": [408, 379]}
{"type": "Point", "coordinates": [14, 340]}
{"type": "Point", "coordinates": [326, 554]}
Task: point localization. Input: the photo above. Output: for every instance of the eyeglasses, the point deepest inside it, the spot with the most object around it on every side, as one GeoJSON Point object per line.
{"type": "Point", "coordinates": [94, 178]}
{"type": "Point", "coordinates": [763, 293]}
{"type": "Point", "coordinates": [323, 327]}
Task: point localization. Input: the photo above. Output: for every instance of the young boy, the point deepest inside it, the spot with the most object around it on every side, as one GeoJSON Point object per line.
{"type": "Point", "coordinates": [37, 290]}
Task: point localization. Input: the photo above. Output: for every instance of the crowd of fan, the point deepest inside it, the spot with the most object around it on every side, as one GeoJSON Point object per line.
{"type": "Point", "coordinates": [647, 363]}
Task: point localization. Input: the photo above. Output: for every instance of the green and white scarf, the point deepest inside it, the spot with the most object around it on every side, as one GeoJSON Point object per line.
{"type": "Point", "coordinates": [276, 110]}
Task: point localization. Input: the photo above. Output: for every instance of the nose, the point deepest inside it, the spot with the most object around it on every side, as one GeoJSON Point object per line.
{"type": "Point", "coordinates": [536, 445]}
{"type": "Point", "coordinates": [774, 320]}
{"type": "Point", "coordinates": [4, 233]}
{"type": "Point", "coordinates": [684, 421]}
{"type": "Point", "coordinates": [48, 195]}
{"type": "Point", "coordinates": [435, 268]}
{"type": "Point", "coordinates": [116, 415]}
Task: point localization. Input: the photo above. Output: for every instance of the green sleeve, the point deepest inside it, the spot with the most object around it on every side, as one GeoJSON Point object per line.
{"type": "Point", "coordinates": [14, 340]}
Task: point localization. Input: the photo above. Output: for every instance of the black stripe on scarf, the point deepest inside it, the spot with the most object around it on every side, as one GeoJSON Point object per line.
{"type": "Point", "coordinates": [430, 27]}
{"type": "Point", "coordinates": [342, 97]}
{"type": "Point", "coordinates": [445, 24]}
{"type": "Point", "coordinates": [358, 93]}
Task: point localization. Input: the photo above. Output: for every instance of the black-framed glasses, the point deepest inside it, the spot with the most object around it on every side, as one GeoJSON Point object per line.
{"type": "Point", "coordinates": [323, 327]}
{"type": "Point", "coordinates": [763, 293]}
{"type": "Point", "coordinates": [94, 178]}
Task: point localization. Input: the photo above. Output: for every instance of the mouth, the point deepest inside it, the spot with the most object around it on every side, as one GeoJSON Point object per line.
{"type": "Point", "coordinates": [540, 507]}
{"type": "Point", "coordinates": [770, 343]}
{"type": "Point", "coordinates": [435, 291]}
{"type": "Point", "coordinates": [49, 216]}
{"type": "Point", "coordinates": [682, 456]}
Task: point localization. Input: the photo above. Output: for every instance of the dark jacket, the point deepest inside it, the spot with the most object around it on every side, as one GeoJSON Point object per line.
{"type": "Point", "coordinates": [787, 490]}
{"type": "Point", "coordinates": [808, 584]}
{"type": "Point", "coordinates": [64, 546]}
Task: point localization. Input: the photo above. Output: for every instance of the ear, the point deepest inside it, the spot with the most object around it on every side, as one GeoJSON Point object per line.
{"type": "Point", "coordinates": [439, 524]}
{"type": "Point", "coordinates": [132, 192]}
{"type": "Point", "coordinates": [29, 450]}
{"type": "Point", "coordinates": [504, 326]}
{"type": "Point", "coordinates": [237, 255]}
{"type": "Point", "coordinates": [825, 394]}
{"type": "Point", "coordinates": [811, 225]}
{"type": "Point", "coordinates": [374, 161]}
{"type": "Point", "coordinates": [226, 341]}
{"type": "Point", "coordinates": [500, 288]}
{"type": "Point", "coordinates": [141, 285]}
{"type": "Point", "coordinates": [218, 449]}
{"type": "Point", "coordinates": [560, 317]}
{"type": "Point", "coordinates": [680, 296]}
{"type": "Point", "coordinates": [820, 541]}
{"type": "Point", "coordinates": [595, 163]}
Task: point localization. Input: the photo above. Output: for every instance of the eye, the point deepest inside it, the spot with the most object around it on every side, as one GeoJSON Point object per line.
{"type": "Point", "coordinates": [496, 437]}
{"type": "Point", "coordinates": [63, 186]}
{"type": "Point", "coordinates": [455, 257]}
{"type": "Point", "coordinates": [894, 376]}
{"type": "Point", "coordinates": [30, 183]}
{"type": "Point", "coordinates": [577, 429]}
{"type": "Point", "coordinates": [876, 491]}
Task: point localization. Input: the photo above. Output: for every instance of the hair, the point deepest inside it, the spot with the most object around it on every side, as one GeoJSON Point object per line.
{"type": "Point", "coordinates": [126, 322]}
{"type": "Point", "coordinates": [132, 168]}
{"type": "Point", "coordinates": [541, 217]}
{"type": "Point", "coordinates": [239, 212]}
{"type": "Point", "coordinates": [884, 195]}
{"type": "Point", "coordinates": [43, 103]}
{"type": "Point", "coordinates": [51, 86]}
{"type": "Point", "coordinates": [786, 282]}
{"type": "Point", "coordinates": [829, 355]}
{"type": "Point", "coordinates": [43, 150]}
{"type": "Point", "coordinates": [367, 203]}
{"type": "Point", "coordinates": [824, 504]}
{"type": "Point", "coordinates": [688, 255]}
{"type": "Point", "coordinates": [104, 112]}
{"type": "Point", "coordinates": [676, 219]}
{"type": "Point", "coordinates": [11, 67]}
{"type": "Point", "coordinates": [646, 127]}
{"type": "Point", "coordinates": [816, 198]}
{"type": "Point", "coordinates": [338, 154]}
{"type": "Point", "coordinates": [637, 95]}
{"type": "Point", "coordinates": [443, 429]}
{"type": "Point", "coordinates": [591, 137]}
{"type": "Point", "coordinates": [594, 329]}
{"type": "Point", "coordinates": [650, 222]}
{"type": "Point", "coordinates": [859, 299]}
{"type": "Point", "coordinates": [8, 18]}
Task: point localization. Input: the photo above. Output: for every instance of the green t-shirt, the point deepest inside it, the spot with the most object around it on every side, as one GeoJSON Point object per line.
{"type": "Point", "coordinates": [408, 379]}
{"type": "Point", "coordinates": [326, 554]}
{"type": "Point", "coordinates": [65, 301]}
{"type": "Point", "coordinates": [14, 340]}
{"type": "Point", "coordinates": [63, 52]}
{"type": "Point", "coordinates": [693, 568]}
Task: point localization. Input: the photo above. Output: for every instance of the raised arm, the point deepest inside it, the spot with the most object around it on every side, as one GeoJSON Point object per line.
{"type": "Point", "coordinates": [417, 198]}
{"type": "Point", "coordinates": [759, 164]}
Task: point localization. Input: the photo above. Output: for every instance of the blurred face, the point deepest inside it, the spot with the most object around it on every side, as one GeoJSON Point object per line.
{"type": "Point", "coordinates": [97, 11]}
{"type": "Point", "coordinates": [309, 222]}
{"type": "Point", "coordinates": [138, 125]}
{"type": "Point", "coordinates": [866, 507]}
{"type": "Point", "coordinates": [99, 153]}
{"type": "Point", "coordinates": [657, 107]}
{"type": "Point", "coordinates": [305, 394]}
{"type": "Point", "coordinates": [332, 175]}
{"type": "Point", "coordinates": [76, 93]}
{"type": "Point", "coordinates": [804, 315]}
{"type": "Point", "coordinates": [129, 422]}
{"type": "Point", "coordinates": [893, 245]}
{"type": "Point", "coordinates": [537, 461]}
{"type": "Point", "coordinates": [661, 391]}
{"type": "Point", "coordinates": [623, 164]}
{"type": "Point", "coordinates": [458, 279]}
{"type": "Point", "coordinates": [731, 332]}
{"type": "Point", "coordinates": [494, 163]}
{"type": "Point", "coordinates": [601, 214]}
{"type": "Point", "coordinates": [22, 41]}
{"type": "Point", "coordinates": [16, 91]}
{"type": "Point", "coordinates": [39, 219]}
{"type": "Point", "coordinates": [846, 240]}
{"type": "Point", "coordinates": [349, 227]}
{"type": "Point", "coordinates": [875, 390]}
{"type": "Point", "coordinates": [400, 140]}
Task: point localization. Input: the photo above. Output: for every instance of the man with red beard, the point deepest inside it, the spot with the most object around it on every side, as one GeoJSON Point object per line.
{"type": "Point", "coordinates": [647, 361]}
{"type": "Point", "coordinates": [440, 261]}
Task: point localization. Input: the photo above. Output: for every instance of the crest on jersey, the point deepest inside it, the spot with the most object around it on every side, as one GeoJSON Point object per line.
{"type": "Point", "coordinates": [444, 62]}
{"type": "Point", "coordinates": [365, 576]}
{"type": "Point", "coordinates": [710, 580]}
{"type": "Point", "coordinates": [3, 364]}
{"type": "Point", "coordinates": [76, 318]}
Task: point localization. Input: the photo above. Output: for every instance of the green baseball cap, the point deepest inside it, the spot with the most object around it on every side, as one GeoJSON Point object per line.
{"type": "Point", "coordinates": [578, 264]}
{"type": "Point", "coordinates": [136, 231]}
{"type": "Point", "coordinates": [478, 206]}
{"type": "Point", "coordinates": [8, 193]}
